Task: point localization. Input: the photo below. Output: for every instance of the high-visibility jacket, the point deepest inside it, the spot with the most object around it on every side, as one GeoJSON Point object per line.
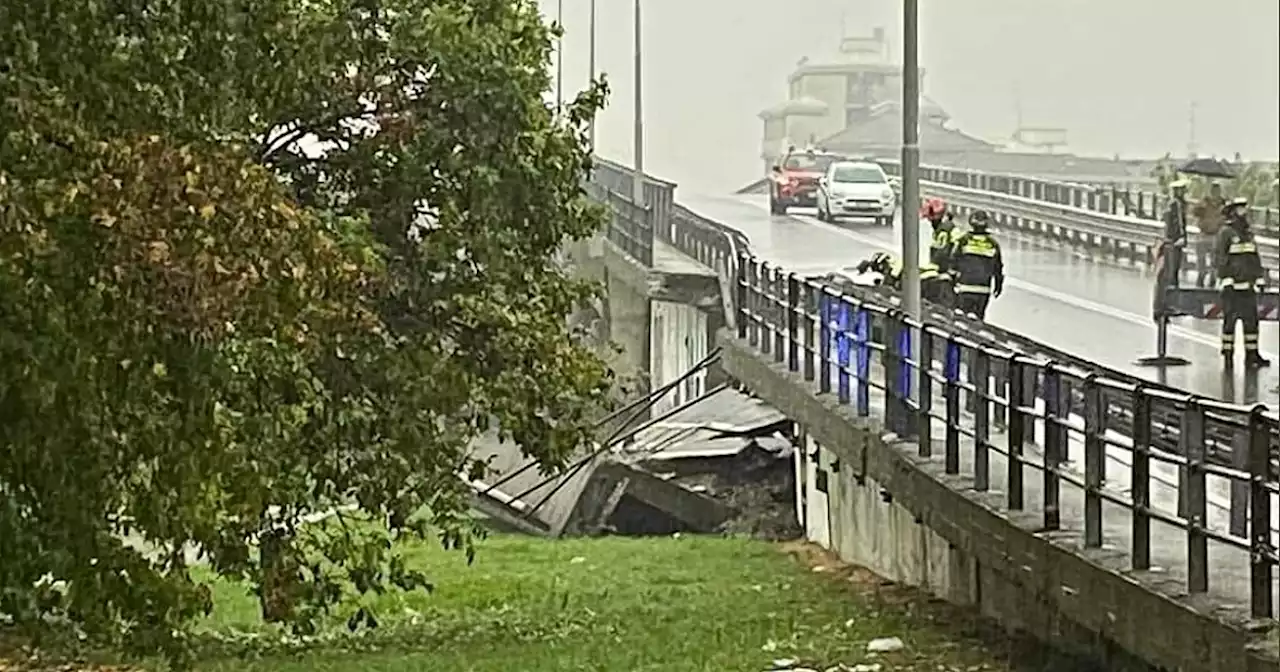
{"type": "Point", "coordinates": [1239, 265]}
{"type": "Point", "coordinates": [941, 248]}
{"type": "Point", "coordinates": [978, 264]}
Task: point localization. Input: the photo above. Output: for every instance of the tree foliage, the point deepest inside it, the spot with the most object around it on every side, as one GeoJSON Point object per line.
{"type": "Point", "coordinates": [265, 259]}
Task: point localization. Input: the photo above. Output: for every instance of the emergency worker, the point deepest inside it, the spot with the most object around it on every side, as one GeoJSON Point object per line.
{"type": "Point", "coordinates": [1240, 276]}
{"type": "Point", "coordinates": [935, 274]}
{"type": "Point", "coordinates": [1173, 247]}
{"type": "Point", "coordinates": [978, 266]}
{"type": "Point", "coordinates": [888, 266]}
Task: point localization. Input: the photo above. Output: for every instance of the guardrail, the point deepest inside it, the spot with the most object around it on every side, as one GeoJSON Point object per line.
{"type": "Point", "coordinates": [1119, 237]}
{"type": "Point", "coordinates": [631, 225]}
{"type": "Point", "coordinates": [780, 314]}
{"type": "Point", "coordinates": [1122, 237]}
{"type": "Point", "coordinates": [1103, 200]}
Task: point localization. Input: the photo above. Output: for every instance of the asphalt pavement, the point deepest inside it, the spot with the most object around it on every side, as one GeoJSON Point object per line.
{"type": "Point", "coordinates": [1061, 297]}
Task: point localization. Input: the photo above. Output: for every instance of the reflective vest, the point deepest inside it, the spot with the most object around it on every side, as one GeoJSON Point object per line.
{"type": "Point", "coordinates": [1240, 266]}
{"type": "Point", "coordinates": [977, 261]}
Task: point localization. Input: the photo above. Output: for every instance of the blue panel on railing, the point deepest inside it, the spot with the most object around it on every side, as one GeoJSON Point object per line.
{"type": "Point", "coordinates": [904, 369]}
{"type": "Point", "coordinates": [835, 314]}
{"type": "Point", "coordinates": [862, 335]}
{"type": "Point", "coordinates": [841, 329]}
{"type": "Point", "coordinates": [952, 363]}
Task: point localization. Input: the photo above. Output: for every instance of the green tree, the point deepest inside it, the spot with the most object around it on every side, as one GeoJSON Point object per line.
{"type": "Point", "coordinates": [264, 259]}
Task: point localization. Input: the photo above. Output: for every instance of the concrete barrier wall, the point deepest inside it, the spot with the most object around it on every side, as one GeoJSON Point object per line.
{"type": "Point", "coordinates": [905, 519]}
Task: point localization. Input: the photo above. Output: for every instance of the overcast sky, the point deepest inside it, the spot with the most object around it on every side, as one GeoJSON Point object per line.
{"type": "Point", "coordinates": [1120, 75]}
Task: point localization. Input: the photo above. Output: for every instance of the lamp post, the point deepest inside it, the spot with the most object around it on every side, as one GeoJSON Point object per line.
{"type": "Point", "coordinates": [910, 159]}
{"type": "Point", "coordinates": [638, 177]}
{"type": "Point", "coordinates": [591, 67]}
{"type": "Point", "coordinates": [560, 56]}
{"type": "Point", "coordinates": [911, 186]}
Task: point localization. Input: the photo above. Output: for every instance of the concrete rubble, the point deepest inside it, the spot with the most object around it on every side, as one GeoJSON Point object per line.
{"type": "Point", "coordinates": [720, 464]}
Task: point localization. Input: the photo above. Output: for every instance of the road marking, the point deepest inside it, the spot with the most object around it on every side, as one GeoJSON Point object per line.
{"type": "Point", "coordinates": [1046, 292]}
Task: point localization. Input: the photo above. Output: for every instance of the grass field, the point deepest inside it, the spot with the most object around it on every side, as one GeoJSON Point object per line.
{"type": "Point", "coordinates": [627, 604]}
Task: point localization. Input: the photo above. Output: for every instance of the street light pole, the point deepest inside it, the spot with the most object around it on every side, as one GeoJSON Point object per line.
{"type": "Point", "coordinates": [910, 159]}
{"type": "Point", "coordinates": [591, 67]}
{"type": "Point", "coordinates": [638, 185]}
{"type": "Point", "coordinates": [560, 56]}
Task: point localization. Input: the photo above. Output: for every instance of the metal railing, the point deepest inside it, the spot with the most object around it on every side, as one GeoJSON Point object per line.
{"type": "Point", "coordinates": [1118, 236]}
{"type": "Point", "coordinates": [790, 318]}
{"type": "Point", "coordinates": [1098, 199]}
{"type": "Point", "coordinates": [630, 225]}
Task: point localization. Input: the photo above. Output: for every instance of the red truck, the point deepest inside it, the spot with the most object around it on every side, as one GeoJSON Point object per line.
{"type": "Point", "coordinates": [794, 181]}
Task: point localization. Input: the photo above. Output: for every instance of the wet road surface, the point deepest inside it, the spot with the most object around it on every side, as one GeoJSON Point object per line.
{"type": "Point", "coordinates": [1056, 296]}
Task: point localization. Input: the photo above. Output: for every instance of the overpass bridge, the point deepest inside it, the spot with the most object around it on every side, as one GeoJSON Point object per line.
{"type": "Point", "coordinates": [1022, 465]}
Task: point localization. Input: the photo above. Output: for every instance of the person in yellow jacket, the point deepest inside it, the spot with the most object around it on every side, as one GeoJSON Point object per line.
{"type": "Point", "coordinates": [935, 273]}
{"type": "Point", "coordinates": [979, 266]}
{"type": "Point", "coordinates": [1240, 276]}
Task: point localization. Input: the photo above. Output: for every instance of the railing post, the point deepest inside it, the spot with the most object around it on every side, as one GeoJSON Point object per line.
{"type": "Point", "coordinates": [1017, 428]}
{"type": "Point", "coordinates": [740, 296]}
{"type": "Point", "coordinates": [981, 419]}
{"type": "Point", "coordinates": [808, 300]}
{"type": "Point", "coordinates": [1262, 553]}
{"type": "Point", "coordinates": [951, 366]}
{"type": "Point", "coordinates": [1054, 446]}
{"type": "Point", "coordinates": [1241, 445]}
{"type": "Point", "coordinates": [924, 386]}
{"type": "Point", "coordinates": [889, 360]}
{"type": "Point", "coordinates": [1192, 440]}
{"type": "Point", "coordinates": [1141, 479]}
{"type": "Point", "coordinates": [793, 322]}
{"type": "Point", "coordinates": [1094, 456]}
{"type": "Point", "coordinates": [780, 322]}
{"type": "Point", "coordinates": [763, 308]}
{"type": "Point", "coordinates": [861, 362]}
{"type": "Point", "coordinates": [753, 300]}
{"type": "Point", "coordinates": [826, 307]}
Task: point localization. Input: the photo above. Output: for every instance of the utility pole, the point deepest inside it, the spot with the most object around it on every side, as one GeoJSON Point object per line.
{"type": "Point", "coordinates": [638, 186]}
{"type": "Point", "coordinates": [910, 159]}
{"type": "Point", "coordinates": [591, 67]}
{"type": "Point", "coordinates": [560, 56]}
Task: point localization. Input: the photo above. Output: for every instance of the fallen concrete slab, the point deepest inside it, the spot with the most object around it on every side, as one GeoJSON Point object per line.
{"type": "Point", "coordinates": [721, 463]}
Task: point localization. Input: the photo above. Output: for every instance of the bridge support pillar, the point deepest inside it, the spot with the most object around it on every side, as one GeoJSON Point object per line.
{"type": "Point", "coordinates": [655, 322]}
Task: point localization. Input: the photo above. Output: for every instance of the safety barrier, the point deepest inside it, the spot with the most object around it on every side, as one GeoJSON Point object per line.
{"type": "Point", "coordinates": [1063, 213]}
{"type": "Point", "coordinates": [1102, 200]}
{"type": "Point", "coordinates": [630, 225]}
{"type": "Point", "coordinates": [782, 315]}
{"type": "Point", "coordinates": [1124, 238]}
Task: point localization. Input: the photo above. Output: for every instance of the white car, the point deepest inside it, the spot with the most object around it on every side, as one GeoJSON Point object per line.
{"type": "Point", "coordinates": [856, 189]}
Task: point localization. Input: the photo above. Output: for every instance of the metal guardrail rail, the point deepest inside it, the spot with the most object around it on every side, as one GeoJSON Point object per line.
{"type": "Point", "coordinates": [1101, 200]}
{"type": "Point", "coordinates": [1064, 213]}
{"type": "Point", "coordinates": [782, 318]}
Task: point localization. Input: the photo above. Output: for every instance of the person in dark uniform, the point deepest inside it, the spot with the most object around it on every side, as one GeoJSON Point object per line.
{"type": "Point", "coordinates": [935, 274]}
{"type": "Point", "coordinates": [1240, 276]}
{"type": "Point", "coordinates": [978, 266]}
{"type": "Point", "coordinates": [1174, 245]}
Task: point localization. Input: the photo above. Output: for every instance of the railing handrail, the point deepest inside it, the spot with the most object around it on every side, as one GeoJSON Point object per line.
{"type": "Point", "coordinates": [785, 315]}
{"type": "Point", "coordinates": [1265, 219]}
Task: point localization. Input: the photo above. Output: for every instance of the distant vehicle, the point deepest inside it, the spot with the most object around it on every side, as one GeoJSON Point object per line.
{"type": "Point", "coordinates": [795, 179]}
{"type": "Point", "coordinates": [856, 189]}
